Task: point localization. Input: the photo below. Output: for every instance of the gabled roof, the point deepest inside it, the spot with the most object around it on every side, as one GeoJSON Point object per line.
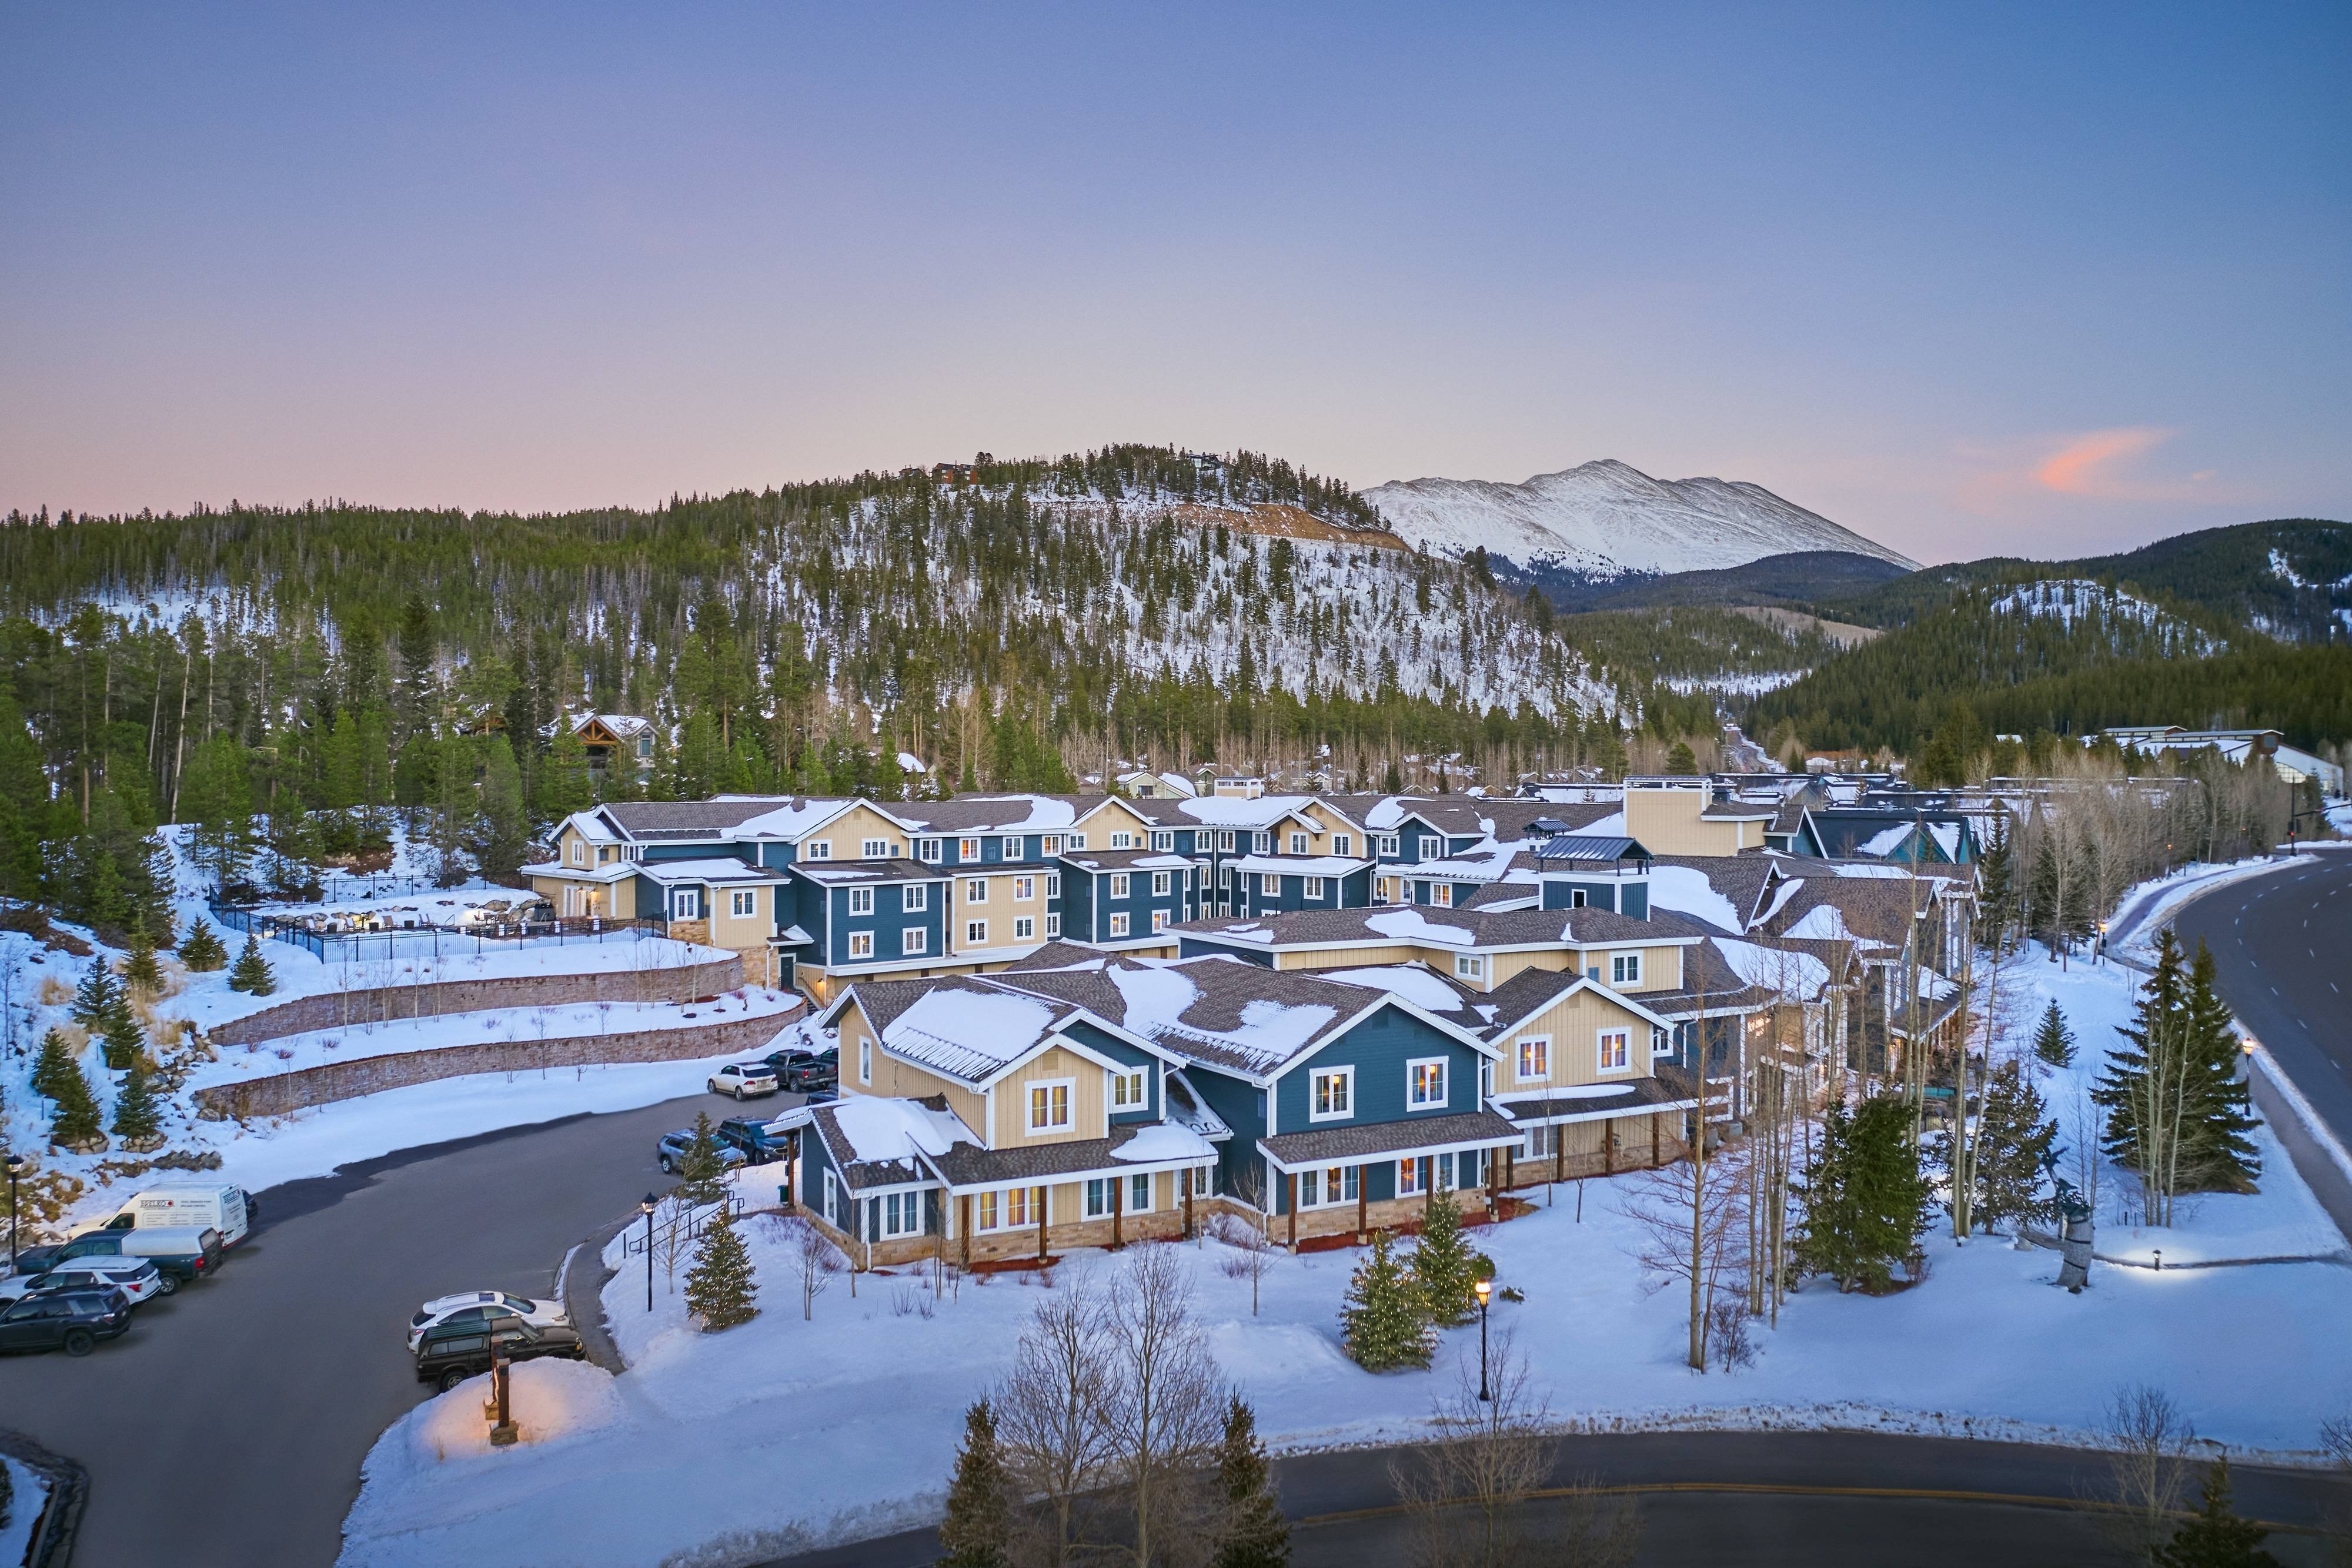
{"type": "Point", "coordinates": [876, 1141]}
{"type": "Point", "coordinates": [719, 869]}
{"type": "Point", "coordinates": [975, 1029]}
{"type": "Point", "coordinates": [999, 813]}
{"type": "Point", "coordinates": [1467, 929]}
{"type": "Point", "coordinates": [726, 816]}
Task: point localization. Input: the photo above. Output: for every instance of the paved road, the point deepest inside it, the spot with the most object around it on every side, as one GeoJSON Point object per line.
{"type": "Point", "coordinates": [2283, 956]}
{"type": "Point", "coordinates": [229, 1426]}
{"type": "Point", "coordinates": [1818, 1498]}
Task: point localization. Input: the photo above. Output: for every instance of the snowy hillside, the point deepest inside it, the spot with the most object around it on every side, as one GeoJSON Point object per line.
{"type": "Point", "coordinates": [2079, 603]}
{"type": "Point", "coordinates": [1607, 520]}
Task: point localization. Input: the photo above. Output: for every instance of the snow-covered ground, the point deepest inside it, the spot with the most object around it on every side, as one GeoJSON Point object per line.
{"type": "Point", "coordinates": [861, 1408]}
{"type": "Point", "coordinates": [32, 1491]}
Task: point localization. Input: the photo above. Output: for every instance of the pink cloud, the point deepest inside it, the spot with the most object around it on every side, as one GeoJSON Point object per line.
{"type": "Point", "coordinates": [2083, 466]}
{"type": "Point", "coordinates": [2095, 465]}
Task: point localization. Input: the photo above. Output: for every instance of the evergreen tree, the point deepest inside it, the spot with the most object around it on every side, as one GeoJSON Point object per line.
{"type": "Point", "coordinates": [2053, 1042]}
{"type": "Point", "coordinates": [52, 1067]}
{"type": "Point", "coordinates": [719, 1288]}
{"type": "Point", "coordinates": [1255, 1533]}
{"type": "Point", "coordinates": [137, 1115]}
{"type": "Point", "coordinates": [201, 949]}
{"type": "Point", "coordinates": [2216, 1535]}
{"type": "Point", "coordinates": [140, 971]}
{"type": "Point", "coordinates": [123, 1038]}
{"type": "Point", "coordinates": [217, 795]}
{"type": "Point", "coordinates": [251, 973]}
{"type": "Point", "coordinates": [2014, 1151]}
{"type": "Point", "coordinates": [97, 997]}
{"type": "Point", "coordinates": [503, 836]}
{"type": "Point", "coordinates": [1445, 1264]}
{"type": "Point", "coordinates": [701, 1167]}
{"type": "Point", "coordinates": [1996, 885]}
{"type": "Point", "coordinates": [2219, 1146]}
{"type": "Point", "coordinates": [75, 1122]}
{"type": "Point", "coordinates": [564, 785]}
{"type": "Point", "coordinates": [1681, 761]}
{"type": "Point", "coordinates": [1382, 1319]}
{"type": "Point", "coordinates": [2144, 1089]}
{"type": "Point", "coordinates": [978, 1528]}
{"type": "Point", "coordinates": [1868, 1198]}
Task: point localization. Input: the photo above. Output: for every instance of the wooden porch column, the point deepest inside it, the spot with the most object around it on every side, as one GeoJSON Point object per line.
{"type": "Point", "coordinates": [1360, 1227]}
{"type": "Point", "coordinates": [1188, 1203]}
{"type": "Point", "coordinates": [1609, 1147]}
{"type": "Point", "coordinates": [1117, 1202]}
{"type": "Point", "coordinates": [963, 1229]}
{"type": "Point", "coordinates": [1654, 1160]}
{"type": "Point", "coordinates": [1290, 1201]}
{"type": "Point", "coordinates": [1558, 1151]}
{"type": "Point", "coordinates": [1493, 1184]}
{"type": "Point", "coordinates": [1039, 1198]}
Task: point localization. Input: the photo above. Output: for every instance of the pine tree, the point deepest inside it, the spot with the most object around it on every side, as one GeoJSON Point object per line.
{"type": "Point", "coordinates": [1445, 1264]}
{"type": "Point", "coordinates": [140, 970]}
{"type": "Point", "coordinates": [2053, 1042]}
{"type": "Point", "coordinates": [52, 1067]}
{"type": "Point", "coordinates": [1996, 885]}
{"type": "Point", "coordinates": [702, 1169]}
{"type": "Point", "coordinates": [252, 973]}
{"type": "Point", "coordinates": [978, 1528]}
{"type": "Point", "coordinates": [2014, 1151]}
{"type": "Point", "coordinates": [1255, 1533]}
{"type": "Point", "coordinates": [719, 1288]}
{"type": "Point", "coordinates": [137, 1117]}
{"type": "Point", "coordinates": [96, 998]}
{"type": "Point", "coordinates": [75, 1124]}
{"type": "Point", "coordinates": [2145, 1087]}
{"type": "Point", "coordinates": [123, 1038]}
{"type": "Point", "coordinates": [1868, 1199]}
{"type": "Point", "coordinates": [1681, 761]}
{"type": "Point", "coordinates": [564, 784]}
{"type": "Point", "coordinates": [2216, 1535]}
{"type": "Point", "coordinates": [503, 831]}
{"type": "Point", "coordinates": [1382, 1319]}
{"type": "Point", "coordinates": [2219, 1148]}
{"type": "Point", "coordinates": [202, 950]}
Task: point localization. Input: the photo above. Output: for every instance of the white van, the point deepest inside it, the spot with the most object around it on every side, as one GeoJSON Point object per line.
{"type": "Point", "coordinates": [175, 1205]}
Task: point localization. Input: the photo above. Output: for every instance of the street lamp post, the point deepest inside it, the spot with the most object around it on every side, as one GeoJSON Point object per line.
{"type": "Point", "coordinates": [1486, 1287]}
{"type": "Point", "coordinates": [16, 1163]}
{"type": "Point", "coordinates": [647, 1204]}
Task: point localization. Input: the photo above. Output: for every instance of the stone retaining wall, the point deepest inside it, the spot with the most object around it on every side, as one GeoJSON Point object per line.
{"type": "Point", "coordinates": [283, 1092]}
{"type": "Point", "coordinates": [380, 1004]}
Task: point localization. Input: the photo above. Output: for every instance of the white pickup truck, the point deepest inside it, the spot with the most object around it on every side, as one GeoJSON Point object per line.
{"type": "Point", "coordinates": [175, 1205]}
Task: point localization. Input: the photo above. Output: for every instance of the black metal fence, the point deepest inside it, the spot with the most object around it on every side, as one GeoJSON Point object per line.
{"type": "Point", "coordinates": [422, 938]}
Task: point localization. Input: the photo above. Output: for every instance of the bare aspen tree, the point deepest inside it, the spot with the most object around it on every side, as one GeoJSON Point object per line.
{"type": "Point", "coordinates": [2149, 1439]}
{"type": "Point", "coordinates": [1050, 1424]}
{"type": "Point", "coordinates": [1168, 1416]}
{"type": "Point", "coordinates": [1690, 1231]}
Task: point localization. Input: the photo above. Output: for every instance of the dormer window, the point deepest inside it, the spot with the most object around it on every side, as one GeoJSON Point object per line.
{"type": "Point", "coordinates": [817, 850]}
{"type": "Point", "coordinates": [1010, 848]}
{"type": "Point", "coordinates": [579, 852]}
{"type": "Point", "coordinates": [1298, 843]}
{"type": "Point", "coordinates": [968, 850]}
{"type": "Point", "coordinates": [1122, 841]}
{"type": "Point", "coordinates": [875, 849]}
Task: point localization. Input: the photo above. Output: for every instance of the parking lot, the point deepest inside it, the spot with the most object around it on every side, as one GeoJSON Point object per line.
{"type": "Point", "coordinates": [229, 1426]}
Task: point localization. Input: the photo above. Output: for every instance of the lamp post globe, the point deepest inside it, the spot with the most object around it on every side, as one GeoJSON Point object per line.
{"type": "Point", "coordinates": [1485, 1288]}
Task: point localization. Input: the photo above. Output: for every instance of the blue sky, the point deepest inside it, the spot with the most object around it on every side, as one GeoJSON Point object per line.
{"type": "Point", "coordinates": [1971, 281]}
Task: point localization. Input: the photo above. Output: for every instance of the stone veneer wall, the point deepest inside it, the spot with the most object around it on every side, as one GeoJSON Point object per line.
{"type": "Point", "coordinates": [283, 1092]}
{"type": "Point", "coordinates": [380, 1004]}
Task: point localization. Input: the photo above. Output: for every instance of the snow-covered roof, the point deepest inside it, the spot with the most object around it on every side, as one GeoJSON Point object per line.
{"type": "Point", "coordinates": [879, 1128]}
{"type": "Point", "coordinates": [791, 819]}
{"type": "Point", "coordinates": [990, 814]}
{"type": "Point", "coordinates": [1686, 889]}
{"type": "Point", "coordinates": [1795, 974]}
{"type": "Point", "coordinates": [1159, 1142]}
{"type": "Point", "coordinates": [1408, 923]}
{"type": "Point", "coordinates": [1235, 811]}
{"type": "Point", "coordinates": [1420, 987]}
{"type": "Point", "coordinates": [1298, 865]}
{"type": "Point", "coordinates": [712, 870]}
{"type": "Point", "coordinates": [970, 1032]}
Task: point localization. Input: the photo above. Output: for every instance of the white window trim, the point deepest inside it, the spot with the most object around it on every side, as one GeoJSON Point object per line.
{"type": "Point", "coordinates": [1343, 843]}
{"type": "Point", "coordinates": [1009, 848]}
{"type": "Point", "coordinates": [874, 850]}
{"type": "Point", "coordinates": [817, 850]}
{"type": "Point", "coordinates": [1347, 1075]}
{"type": "Point", "coordinates": [1121, 886]}
{"type": "Point", "coordinates": [861, 945]}
{"type": "Point", "coordinates": [1269, 885]}
{"type": "Point", "coordinates": [1053, 843]}
{"type": "Point", "coordinates": [1077, 841]}
{"type": "Point", "coordinates": [1441, 893]}
{"type": "Point", "coordinates": [861, 900]}
{"type": "Point", "coordinates": [1601, 1049]}
{"type": "Point", "coordinates": [1159, 921]}
{"type": "Point", "coordinates": [1162, 884]}
{"type": "Point", "coordinates": [1125, 1078]}
{"type": "Point", "coordinates": [1445, 1082]}
{"type": "Point", "coordinates": [975, 890]}
{"type": "Point", "coordinates": [1469, 966]}
{"type": "Point", "coordinates": [1029, 1127]}
{"type": "Point", "coordinates": [743, 903]}
{"type": "Point", "coordinates": [1133, 1179]}
{"type": "Point", "coordinates": [579, 852]}
{"type": "Point", "coordinates": [909, 1204]}
{"type": "Point", "coordinates": [975, 932]}
{"type": "Point", "coordinates": [1329, 1194]}
{"type": "Point", "coordinates": [930, 850]}
{"type": "Point", "coordinates": [914, 898]}
{"type": "Point", "coordinates": [1119, 923]}
{"type": "Point", "coordinates": [1518, 1059]}
{"type": "Point", "coordinates": [1298, 843]}
{"type": "Point", "coordinates": [1024, 928]}
{"type": "Point", "coordinates": [1053, 925]}
{"type": "Point", "coordinates": [1314, 888]}
{"type": "Point", "coordinates": [914, 941]}
{"type": "Point", "coordinates": [865, 1060]}
{"type": "Point", "coordinates": [1388, 845]}
{"type": "Point", "coordinates": [968, 851]}
{"type": "Point", "coordinates": [1418, 1189]}
{"type": "Point", "coordinates": [1024, 888]}
{"type": "Point", "coordinates": [685, 903]}
{"type": "Point", "coordinates": [1624, 968]}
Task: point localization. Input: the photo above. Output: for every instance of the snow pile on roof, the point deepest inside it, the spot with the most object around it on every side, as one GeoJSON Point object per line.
{"type": "Point", "coordinates": [1685, 890]}
{"type": "Point", "coordinates": [790, 820]}
{"type": "Point", "coordinates": [1847, 868]}
{"type": "Point", "coordinates": [969, 1034]}
{"type": "Point", "coordinates": [1886, 841]}
{"type": "Point", "coordinates": [886, 1129]}
{"type": "Point", "coordinates": [1798, 974]}
{"type": "Point", "coordinates": [1780, 896]}
{"type": "Point", "coordinates": [1296, 865]}
{"type": "Point", "coordinates": [1824, 923]}
{"type": "Point", "coordinates": [1409, 981]}
{"type": "Point", "coordinates": [1164, 1141]}
{"type": "Point", "coordinates": [1946, 836]}
{"type": "Point", "coordinates": [1411, 924]}
{"type": "Point", "coordinates": [1154, 996]}
{"type": "Point", "coordinates": [1235, 811]}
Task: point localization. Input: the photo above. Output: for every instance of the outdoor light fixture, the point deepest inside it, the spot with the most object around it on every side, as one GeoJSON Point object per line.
{"type": "Point", "coordinates": [1486, 1287]}
{"type": "Point", "coordinates": [16, 1163]}
{"type": "Point", "coordinates": [648, 1203]}
{"type": "Point", "coordinates": [2250, 1045]}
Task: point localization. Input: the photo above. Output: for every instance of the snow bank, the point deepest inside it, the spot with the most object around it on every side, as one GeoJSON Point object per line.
{"type": "Point", "coordinates": [1685, 890]}
{"type": "Point", "coordinates": [32, 1491]}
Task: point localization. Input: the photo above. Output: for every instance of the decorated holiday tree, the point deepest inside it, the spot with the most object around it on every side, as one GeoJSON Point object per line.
{"type": "Point", "coordinates": [140, 973]}
{"type": "Point", "coordinates": [201, 949]}
{"type": "Point", "coordinates": [138, 1118]}
{"type": "Point", "coordinates": [977, 1527]}
{"type": "Point", "coordinates": [251, 973]}
{"type": "Point", "coordinates": [1445, 1264]}
{"type": "Point", "coordinates": [1254, 1535]}
{"type": "Point", "coordinates": [1382, 1322]}
{"type": "Point", "coordinates": [2053, 1042]}
{"type": "Point", "coordinates": [719, 1288]}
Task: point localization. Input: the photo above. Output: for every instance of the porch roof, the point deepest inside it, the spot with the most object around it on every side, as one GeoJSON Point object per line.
{"type": "Point", "coordinates": [1579, 1102]}
{"type": "Point", "coordinates": [1388, 1139]}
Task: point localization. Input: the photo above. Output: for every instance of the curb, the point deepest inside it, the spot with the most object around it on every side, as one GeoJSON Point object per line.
{"type": "Point", "coordinates": [581, 1284]}
{"type": "Point", "coordinates": [53, 1533]}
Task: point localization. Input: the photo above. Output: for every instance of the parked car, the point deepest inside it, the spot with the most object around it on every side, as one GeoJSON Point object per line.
{"type": "Point", "coordinates": [178, 1205]}
{"type": "Point", "coordinates": [822, 1096]}
{"type": "Point", "coordinates": [70, 1321]}
{"type": "Point", "coordinates": [450, 1353]}
{"type": "Point", "coordinates": [480, 1309]}
{"type": "Point", "coordinates": [136, 1278]}
{"type": "Point", "coordinates": [184, 1252]}
{"type": "Point", "coordinates": [670, 1152]}
{"type": "Point", "coordinates": [744, 1080]}
{"type": "Point", "coordinates": [799, 1067]}
{"type": "Point", "coordinates": [757, 1139]}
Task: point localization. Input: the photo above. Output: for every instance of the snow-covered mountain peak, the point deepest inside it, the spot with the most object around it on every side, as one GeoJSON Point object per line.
{"type": "Point", "coordinates": [1608, 518]}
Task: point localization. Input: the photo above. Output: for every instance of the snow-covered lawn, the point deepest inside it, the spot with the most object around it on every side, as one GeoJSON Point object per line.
{"type": "Point", "coordinates": [32, 1492]}
{"type": "Point", "coordinates": [781, 1434]}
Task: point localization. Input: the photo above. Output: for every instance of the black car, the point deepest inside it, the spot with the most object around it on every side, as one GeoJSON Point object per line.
{"type": "Point", "coordinates": [450, 1353]}
{"type": "Point", "coordinates": [751, 1135]}
{"type": "Point", "coordinates": [669, 1152]}
{"type": "Point", "coordinates": [70, 1321]}
{"type": "Point", "coordinates": [798, 1068]}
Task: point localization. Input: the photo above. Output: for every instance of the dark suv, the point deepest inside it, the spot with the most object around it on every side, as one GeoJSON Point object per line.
{"type": "Point", "coordinates": [450, 1353]}
{"type": "Point", "coordinates": [70, 1321]}
{"type": "Point", "coordinates": [752, 1136]}
{"type": "Point", "coordinates": [800, 1069]}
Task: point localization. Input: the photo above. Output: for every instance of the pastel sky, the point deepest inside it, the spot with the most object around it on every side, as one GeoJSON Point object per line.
{"type": "Point", "coordinates": [1971, 279]}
